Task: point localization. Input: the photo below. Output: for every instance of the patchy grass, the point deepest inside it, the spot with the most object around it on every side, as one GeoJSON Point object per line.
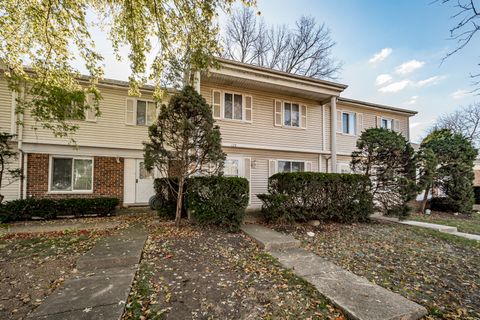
{"type": "Point", "coordinates": [210, 274]}
{"type": "Point", "coordinates": [464, 223]}
{"type": "Point", "coordinates": [33, 265]}
{"type": "Point", "coordinates": [437, 270]}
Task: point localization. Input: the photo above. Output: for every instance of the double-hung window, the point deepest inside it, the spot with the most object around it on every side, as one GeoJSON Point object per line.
{"type": "Point", "coordinates": [140, 112]}
{"type": "Point", "coordinates": [290, 166]}
{"type": "Point", "coordinates": [348, 123]}
{"type": "Point", "coordinates": [232, 106]}
{"type": "Point", "coordinates": [387, 123]}
{"type": "Point", "coordinates": [71, 174]}
{"type": "Point", "coordinates": [291, 115]}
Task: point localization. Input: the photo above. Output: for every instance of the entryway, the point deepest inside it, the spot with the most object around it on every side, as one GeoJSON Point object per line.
{"type": "Point", "coordinates": [138, 182]}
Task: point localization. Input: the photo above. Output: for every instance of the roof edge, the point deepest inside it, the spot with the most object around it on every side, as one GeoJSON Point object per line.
{"type": "Point", "coordinates": [376, 105]}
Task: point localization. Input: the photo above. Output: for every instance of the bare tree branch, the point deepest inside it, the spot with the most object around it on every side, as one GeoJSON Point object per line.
{"type": "Point", "coordinates": [305, 50]}
{"type": "Point", "coordinates": [465, 121]}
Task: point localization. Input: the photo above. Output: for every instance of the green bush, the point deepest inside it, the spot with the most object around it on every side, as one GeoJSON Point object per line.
{"type": "Point", "coordinates": [26, 209]}
{"type": "Point", "coordinates": [303, 196]}
{"type": "Point", "coordinates": [166, 192]}
{"type": "Point", "coordinates": [218, 200]}
{"type": "Point", "coordinates": [476, 191]}
{"type": "Point", "coordinates": [211, 200]}
{"type": "Point", "coordinates": [444, 204]}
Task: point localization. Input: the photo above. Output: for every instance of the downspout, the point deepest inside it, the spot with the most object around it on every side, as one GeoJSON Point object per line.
{"type": "Point", "coordinates": [333, 133]}
{"type": "Point", "coordinates": [19, 127]}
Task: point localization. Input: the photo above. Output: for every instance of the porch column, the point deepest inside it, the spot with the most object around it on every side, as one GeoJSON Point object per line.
{"type": "Point", "coordinates": [197, 81]}
{"type": "Point", "coordinates": [333, 133]}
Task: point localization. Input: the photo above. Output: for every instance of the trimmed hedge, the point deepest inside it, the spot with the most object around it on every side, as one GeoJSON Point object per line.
{"type": "Point", "coordinates": [476, 191]}
{"type": "Point", "coordinates": [26, 209]}
{"type": "Point", "coordinates": [303, 196]}
{"type": "Point", "coordinates": [444, 204]}
{"type": "Point", "coordinates": [211, 200]}
{"type": "Point", "coordinates": [218, 200]}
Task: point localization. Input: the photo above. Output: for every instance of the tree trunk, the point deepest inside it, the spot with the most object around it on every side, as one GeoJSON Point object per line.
{"type": "Point", "coordinates": [425, 198]}
{"type": "Point", "coordinates": [178, 213]}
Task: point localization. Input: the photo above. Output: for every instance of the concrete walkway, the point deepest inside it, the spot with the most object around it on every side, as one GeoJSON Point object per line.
{"type": "Point", "coordinates": [101, 287]}
{"type": "Point", "coordinates": [433, 226]}
{"type": "Point", "coordinates": [356, 296]}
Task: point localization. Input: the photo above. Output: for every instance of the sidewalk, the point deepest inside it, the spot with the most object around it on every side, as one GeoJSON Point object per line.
{"type": "Point", "coordinates": [356, 296]}
{"type": "Point", "coordinates": [433, 226]}
{"type": "Point", "coordinates": [101, 288]}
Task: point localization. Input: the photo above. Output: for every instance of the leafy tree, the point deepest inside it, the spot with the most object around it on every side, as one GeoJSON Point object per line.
{"type": "Point", "coordinates": [6, 157]}
{"type": "Point", "coordinates": [305, 49]}
{"type": "Point", "coordinates": [454, 174]}
{"type": "Point", "coordinates": [388, 159]}
{"type": "Point", "coordinates": [184, 134]}
{"type": "Point", "coordinates": [426, 162]}
{"type": "Point", "coordinates": [48, 36]}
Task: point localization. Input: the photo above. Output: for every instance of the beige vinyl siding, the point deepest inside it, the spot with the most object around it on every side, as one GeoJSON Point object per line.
{"type": "Point", "coordinates": [5, 106]}
{"type": "Point", "coordinates": [260, 160]}
{"type": "Point", "coordinates": [262, 131]}
{"type": "Point", "coordinates": [11, 187]}
{"type": "Point", "coordinates": [347, 143]}
{"type": "Point", "coordinates": [110, 129]}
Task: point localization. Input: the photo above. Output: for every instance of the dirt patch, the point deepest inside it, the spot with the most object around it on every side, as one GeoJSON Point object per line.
{"type": "Point", "coordinates": [195, 273]}
{"type": "Point", "coordinates": [432, 269]}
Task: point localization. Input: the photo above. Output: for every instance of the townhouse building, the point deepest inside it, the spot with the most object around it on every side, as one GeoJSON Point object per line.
{"type": "Point", "coordinates": [270, 121]}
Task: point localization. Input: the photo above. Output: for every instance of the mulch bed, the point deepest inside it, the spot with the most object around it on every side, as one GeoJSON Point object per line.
{"type": "Point", "coordinates": [206, 273]}
{"type": "Point", "coordinates": [437, 271]}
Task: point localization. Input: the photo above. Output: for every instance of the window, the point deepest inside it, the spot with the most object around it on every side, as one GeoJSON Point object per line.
{"type": "Point", "coordinates": [90, 113]}
{"type": "Point", "coordinates": [290, 166]}
{"type": "Point", "coordinates": [140, 112]}
{"type": "Point", "coordinates": [71, 174]}
{"type": "Point", "coordinates": [348, 122]}
{"type": "Point", "coordinates": [231, 168]}
{"type": "Point", "coordinates": [291, 115]}
{"type": "Point", "coordinates": [233, 106]}
{"type": "Point", "coordinates": [387, 123]}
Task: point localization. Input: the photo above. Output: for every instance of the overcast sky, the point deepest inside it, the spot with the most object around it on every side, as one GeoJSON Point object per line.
{"type": "Point", "coordinates": [391, 52]}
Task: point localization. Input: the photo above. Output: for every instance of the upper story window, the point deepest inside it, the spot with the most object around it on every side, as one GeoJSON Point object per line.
{"type": "Point", "coordinates": [348, 122]}
{"type": "Point", "coordinates": [386, 124]}
{"type": "Point", "coordinates": [90, 113]}
{"type": "Point", "coordinates": [289, 114]}
{"type": "Point", "coordinates": [232, 106]}
{"type": "Point", "coordinates": [71, 174]}
{"type": "Point", "coordinates": [140, 112]}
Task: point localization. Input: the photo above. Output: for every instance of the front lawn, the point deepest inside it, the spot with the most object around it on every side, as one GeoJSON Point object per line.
{"type": "Point", "coordinates": [206, 273]}
{"type": "Point", "coordinates": [33, 265]}
{"type": "Point", "coordinates": [438, 271]}
{"type": "Point", "coordinates": [464, 223]}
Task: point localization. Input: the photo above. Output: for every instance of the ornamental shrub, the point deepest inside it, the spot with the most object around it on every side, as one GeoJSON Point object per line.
{"type": "Point", "coordinates": [218, 200]}
{"type": "Point", "coordinates": [213, 200]}
{"type": "Point", "coordinates": [26, 209]}
{"type": "Point", "coordinates": [302, 196]}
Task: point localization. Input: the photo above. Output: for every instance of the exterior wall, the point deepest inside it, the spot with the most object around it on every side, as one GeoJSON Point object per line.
{"type": "Point", "coordinates": [5, 106]}
{"type": "Point", "coordinates": [107, 178]}
{"type": "Point", "coordinates": [260, 167]}
{"type": "Point", "coordinates": [10, 188]}
{"type": "Point", "coordinates": [109, 131]}
{"type": "Point", "coordinates": [347, 143]}
{"type": "Point", "coordinates": [262, 130]}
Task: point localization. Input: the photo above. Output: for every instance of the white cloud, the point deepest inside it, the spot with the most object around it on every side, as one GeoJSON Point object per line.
{"type": "Point", "coordinates": [412, 100]}
{"type": "Point", "coordinates": [430, 81]}
{"type": "Point", "coordinates": [380, 56]}
{"type": "Point", "coordinates": [395, 87]}
{"type": "Point", "coordinates": [460, 94]}
{"type": "Point", "coordinates": [383, 79]}
{"type": "Point", "coordinates": [409, 67]}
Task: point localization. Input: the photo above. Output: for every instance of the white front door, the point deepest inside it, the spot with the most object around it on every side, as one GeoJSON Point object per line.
{"type": "Point", "coordinates": [143, 182]}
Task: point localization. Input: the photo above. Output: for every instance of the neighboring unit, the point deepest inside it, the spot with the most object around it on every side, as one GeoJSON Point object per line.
{"type": "Point", "coordinates": [270, 121]}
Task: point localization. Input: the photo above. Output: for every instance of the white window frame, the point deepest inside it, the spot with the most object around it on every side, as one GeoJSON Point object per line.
{"type": "Point", "coordinates": [302, 117]}
{"type": "Point", "coordinates": [89, 101]}
{"type": "Point", "coordinates": [354, 116]}
{"type": "Point", "coordinates": [241, 165]}
{"type": "Point", "coordinates": [289, 160]}
{"type": "Point", "coordinates": [244, 106]}
{"type": "Point", "coordinates": [73, 158]}
{"type": "Point", "coordinates": [135, 100]}
{"type": "Point", "coordinates": [390, 121]}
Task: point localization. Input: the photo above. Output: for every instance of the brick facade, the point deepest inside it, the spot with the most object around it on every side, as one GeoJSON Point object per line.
{"type": "Point", "coordinates": [107, 178]}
